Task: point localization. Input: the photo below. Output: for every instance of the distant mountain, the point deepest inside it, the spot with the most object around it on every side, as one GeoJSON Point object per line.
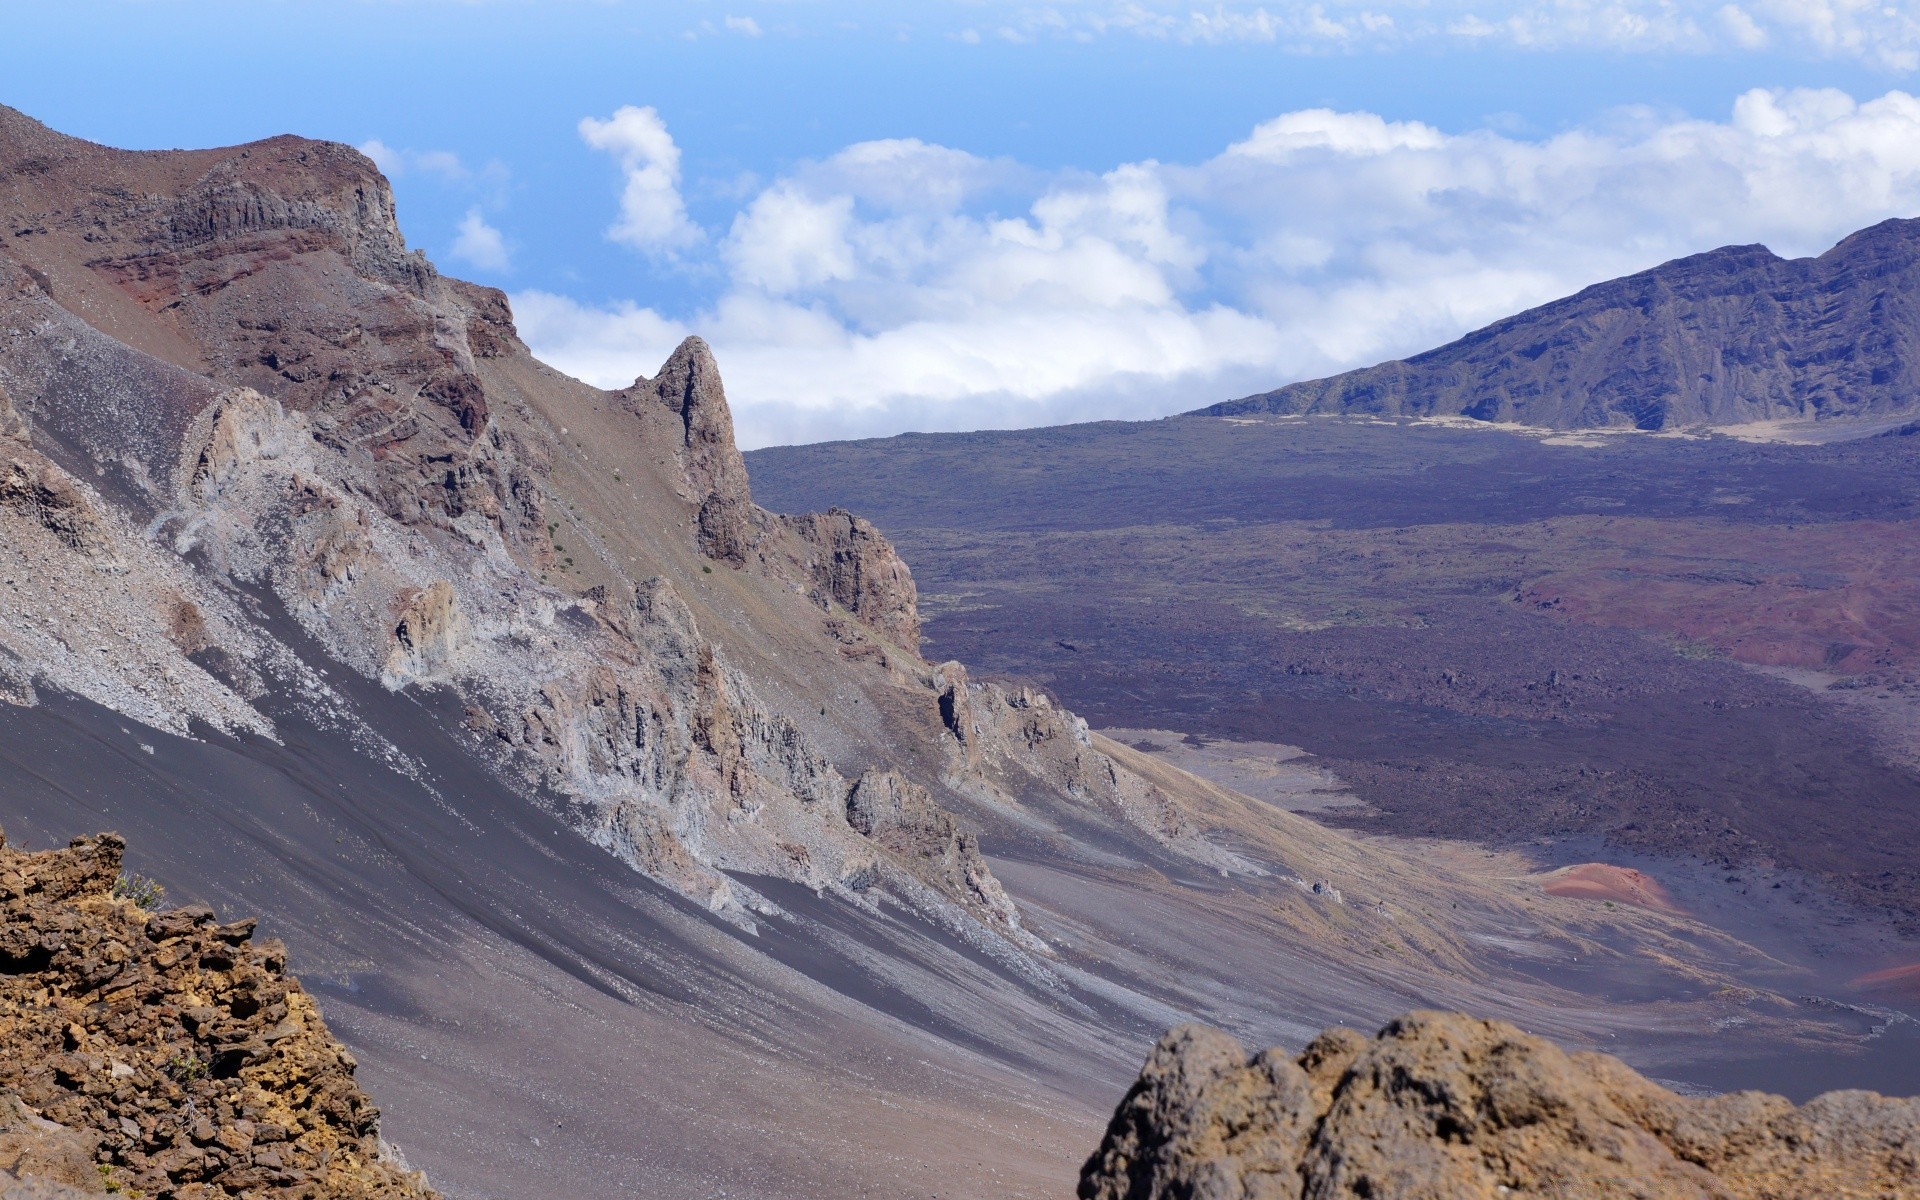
{"type": "Point", "coordinates": [1734, 335]}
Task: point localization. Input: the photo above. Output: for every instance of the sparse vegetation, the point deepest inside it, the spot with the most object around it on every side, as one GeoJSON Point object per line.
{"type": "Point", "coordinates": [145, 892]}
{"type": "Point", "coordinates": [185, 1066]}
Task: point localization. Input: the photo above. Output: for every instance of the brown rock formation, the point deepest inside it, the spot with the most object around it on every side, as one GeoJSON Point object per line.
{"type": "Point", "coordinates": [1440, 1106]}
{"type": "Point", "coordinates": [956, 711]}
{"type": "Point", "coordinates": [42, 1159]}
{"type": "Point", "coordinates": [276, 266]}
{"type": "Point", "coordinates": [900, 815]}
{"type": "Point", "coordinates": [13, 427]}
{"type": "Point", "coordinates": [170, 1053]}
{"type": "Point", "coordinates": [716, 477]}
{"type": "Point", "coordinates": [427, 635]}
{"type": "Point", "coordinates": [42, 492]}
{"type": "Point", "coordinates": [855, 567]}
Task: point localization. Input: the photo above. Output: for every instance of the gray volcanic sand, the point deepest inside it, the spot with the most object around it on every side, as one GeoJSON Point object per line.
{"type": "Point", "coordinates": [459, 938]}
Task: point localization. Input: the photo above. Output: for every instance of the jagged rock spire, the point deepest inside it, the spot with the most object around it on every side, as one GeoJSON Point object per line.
{"type": "Point", "coordinates": [689, 385]}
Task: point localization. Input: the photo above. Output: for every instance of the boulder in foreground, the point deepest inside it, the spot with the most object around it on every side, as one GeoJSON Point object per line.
{"type": "Point", "coordinates": [162, 1054]}
{"type": "Point", "coordinates": [1440, 1106]}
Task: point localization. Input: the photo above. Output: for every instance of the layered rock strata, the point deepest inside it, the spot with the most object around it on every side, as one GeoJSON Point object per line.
{"type": "Point", "coordinates": [164, 1054]}
{"type": "Point", "coordinates": [1440, 1106]}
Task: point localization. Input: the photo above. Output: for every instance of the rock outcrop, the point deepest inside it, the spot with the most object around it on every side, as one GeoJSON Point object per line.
{"type": "Point", "coordinates": [163, 1054]}
{"type": "Point", "coordinates": [900, 815]}
{"type": "Point", "coordinates": [1440, 1106]}
{"type": "Point", "coordinates": [716, 477]}
{"type": "Point", "coordinates": [1730, 336]}
{"type": "Point", "coordinates": [855, 567]}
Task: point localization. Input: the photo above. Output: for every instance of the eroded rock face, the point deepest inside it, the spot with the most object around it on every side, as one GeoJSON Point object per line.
{"type": "Point", "coordinates": [284, 411]}
{"type": "Point", "coordinates": [170, 1054]}
{"type": "Point", "coordinates": [427, 636]}
{"type": "Point", "coordinates": [43, 493]}
{"type": "Point", "coordinates": [689, 386]}
{"type": "Point", "coordinates": [856, 567]}
{"type": "Point", "coordinates": [900, 815]}
{"type": "Point", "coordinates": [1440, 1106]}
{"type": "Point", "coordinates": [13, 427]}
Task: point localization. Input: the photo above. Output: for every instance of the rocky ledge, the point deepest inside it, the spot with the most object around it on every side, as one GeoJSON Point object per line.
{"type": "Point", "coordinates": [1440, 1106]}
{"type": "Point", "coordinates": [162, 1054]}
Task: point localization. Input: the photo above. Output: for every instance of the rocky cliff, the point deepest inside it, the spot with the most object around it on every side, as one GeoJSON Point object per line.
{"type": "Point", "coordinates": [1439, 1106]}
{"type": "Point", "coordinates": [238, 406]}
{"type": "Point", "coordinates": [1731, 336]}
{"type": "Point", "coordinates": [163, 1054]}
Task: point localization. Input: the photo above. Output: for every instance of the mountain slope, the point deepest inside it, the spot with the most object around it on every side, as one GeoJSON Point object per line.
{"type": "Point", "coordinates": [1731, 336]}
{"type": "Point", "coordinates": [617, 821]}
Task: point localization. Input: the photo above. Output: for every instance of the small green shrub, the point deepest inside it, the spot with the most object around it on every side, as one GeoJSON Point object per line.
{"type": "Point", "coordinates": [188, 1065]}
{"type": "Point", "coordinates": [147, 893]}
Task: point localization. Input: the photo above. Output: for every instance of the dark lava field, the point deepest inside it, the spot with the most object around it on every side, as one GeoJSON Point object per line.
{"type": "Point", "coordinates": [1685, 646]}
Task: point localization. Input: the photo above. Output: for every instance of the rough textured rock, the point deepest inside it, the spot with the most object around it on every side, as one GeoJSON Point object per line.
{"type": "Point", "coordinates": [43, 493]}
{"type": "Point", "coordinates": [427, 635]}
{"type": "Point", "coordinates": [955, 700]}
{"type": "Point", "coordinates": [1734, 335]}
{"type": "Point", "coordinates": [276, 266]}
{"type": "Point", "coordinates": [855, 567]}
{"type": "Point", "coordinates": [901, 816]}
{"type": "Point", "coordinates": [689, 386]}
{"type": "Point", "coordinates": [1440, 1106]}
{"type": "Point", "coordinates": [165, 1054]}
{"type": "Point", "coordinates": [42, 1159]}
{"type": "Point", "coordinates": [13, 427]}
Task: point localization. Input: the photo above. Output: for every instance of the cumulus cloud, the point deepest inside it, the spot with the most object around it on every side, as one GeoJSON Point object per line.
{"type": "Point", "coordinates": [653, 217]}
{"type": "Point", "coordinates": [479, 244]}
{"type": "Point", "coordinates": [745, 26]}
{"type": "Point", "coordinates": [900, 284]}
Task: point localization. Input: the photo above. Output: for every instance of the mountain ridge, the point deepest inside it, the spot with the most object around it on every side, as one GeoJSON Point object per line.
{"type": "Point", "coordinates": [1729, 336]}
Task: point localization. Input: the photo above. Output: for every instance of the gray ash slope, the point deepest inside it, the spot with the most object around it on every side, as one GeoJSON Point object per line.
{"type": "Point", "coordinates": [618, 820]}
{"type": "Point", "coordinates": [1731, 336]}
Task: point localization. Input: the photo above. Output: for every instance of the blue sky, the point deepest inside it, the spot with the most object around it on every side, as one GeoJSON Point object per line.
{"type": "Point", "coordinates": [950, 215]}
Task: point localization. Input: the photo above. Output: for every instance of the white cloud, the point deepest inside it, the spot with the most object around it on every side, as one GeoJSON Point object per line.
{"type": "Point", "coordinates": [389, 160]}
{"type": "Point", "coordinates": [745, 26]}
{"type": "Point", "coordinates": [1874, 31]}
{"type": "Point", "coordinates": [653, 217]}
{"type": "Point", "coordinates": [607, 347]}
{"type": "Point", "coordinates": [900, 284]}
{"type": "Point", "coordinates": [1742, 28]}
{"type": "Point", "coordinates": [479, 244]}
{"type": "Point", "coordinates": [393, 163]}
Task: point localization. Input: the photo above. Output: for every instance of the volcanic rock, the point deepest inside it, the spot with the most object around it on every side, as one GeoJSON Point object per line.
{"type": "Point", "coordinates": [1734, 335]}
{"type": "Point", "coordinates": [689, 386]}
{"type": "Point", "coordinates": [165, 1054]}
{"type": "Point", "coordinates": [858, 569]}
{"type": "Point", "coordinates": [1440, 1106]}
